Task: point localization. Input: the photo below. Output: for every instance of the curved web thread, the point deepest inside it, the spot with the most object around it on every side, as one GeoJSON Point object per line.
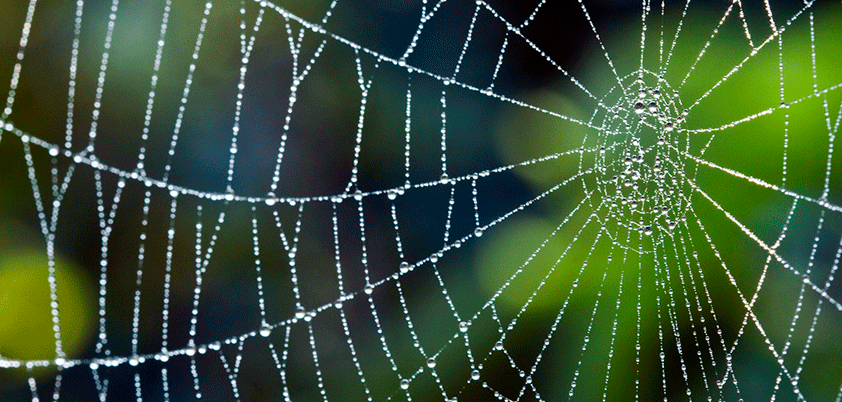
{"type": "Point", "coordinates": [635, 197]}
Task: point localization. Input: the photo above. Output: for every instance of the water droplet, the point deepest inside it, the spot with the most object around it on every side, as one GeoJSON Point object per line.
{"type": "Point", "coordinates": [392, 195]}
{"type": "Point", "coordinates": [300, 313]}
{"type": "Point", "coordinates": [369, 289]}
{"type": "Point", "coordinates": [265, 331]}
{"type": "Point", "coordinates": [478, 232]}
{"type": "Point", "coordinates": [434, 258]}
{"type": "Point", "coordinates": [647, 230]}
{"type": "Point", "coordinates": [463, 326]}
{"type": "Point", "coordinates": [668, 126]}
{"type": "Point", "coordinates": [653, 107]}
{"type": "Point", "coordinates": [405, 384]}
{"type": "Point", "coordinates": [475, 375]}
{"type": "Point", "coordinates": [639, 107]}
{"type": "Point", "coordinates": [444, 179]}
{"type": "Point", "coordinates": [498, 345]}
{"type": "Point", "coordinates": [602, 150]}
{"type": "Point", "coordinates": [431, 362]}
{"type": "Point", "coordinates": [404, 267]}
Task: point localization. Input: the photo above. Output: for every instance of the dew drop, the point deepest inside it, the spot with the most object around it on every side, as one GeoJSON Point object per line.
{"type": "Point", "coordinates": [653, 107]}
{"type": "Point", "coordinates": [478, 232]}
{"type": "Point", "coordinates": [404, 267]}
{"type": "Point", "coordinates": [639, 107]}
{"type": "Point", "coordinates": [647, 230]}
{"type": "Point", "coordinates": [405, 384]}
{"type": "Point", "coordinates": [369, 289]}
{"type": "Point", "coordinates": [475, 375]}
{"type": "Point", "coordinates": [463, 326]}
{"type": "Point", "coordinates": [265, 331]}
{"type": "Point", "coordinates": [431, 362]}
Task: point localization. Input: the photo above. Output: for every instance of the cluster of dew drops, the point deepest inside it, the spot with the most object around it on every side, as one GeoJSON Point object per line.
{"type": "Point", "coordinates": [648, 192]}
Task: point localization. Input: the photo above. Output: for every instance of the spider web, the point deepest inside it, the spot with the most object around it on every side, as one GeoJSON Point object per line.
{"type": "Point", "coordinates": [434, 200]}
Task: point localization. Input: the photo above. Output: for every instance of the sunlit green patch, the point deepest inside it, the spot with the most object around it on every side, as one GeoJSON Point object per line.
{"type": "Point", "coordinates": [26, 328]}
